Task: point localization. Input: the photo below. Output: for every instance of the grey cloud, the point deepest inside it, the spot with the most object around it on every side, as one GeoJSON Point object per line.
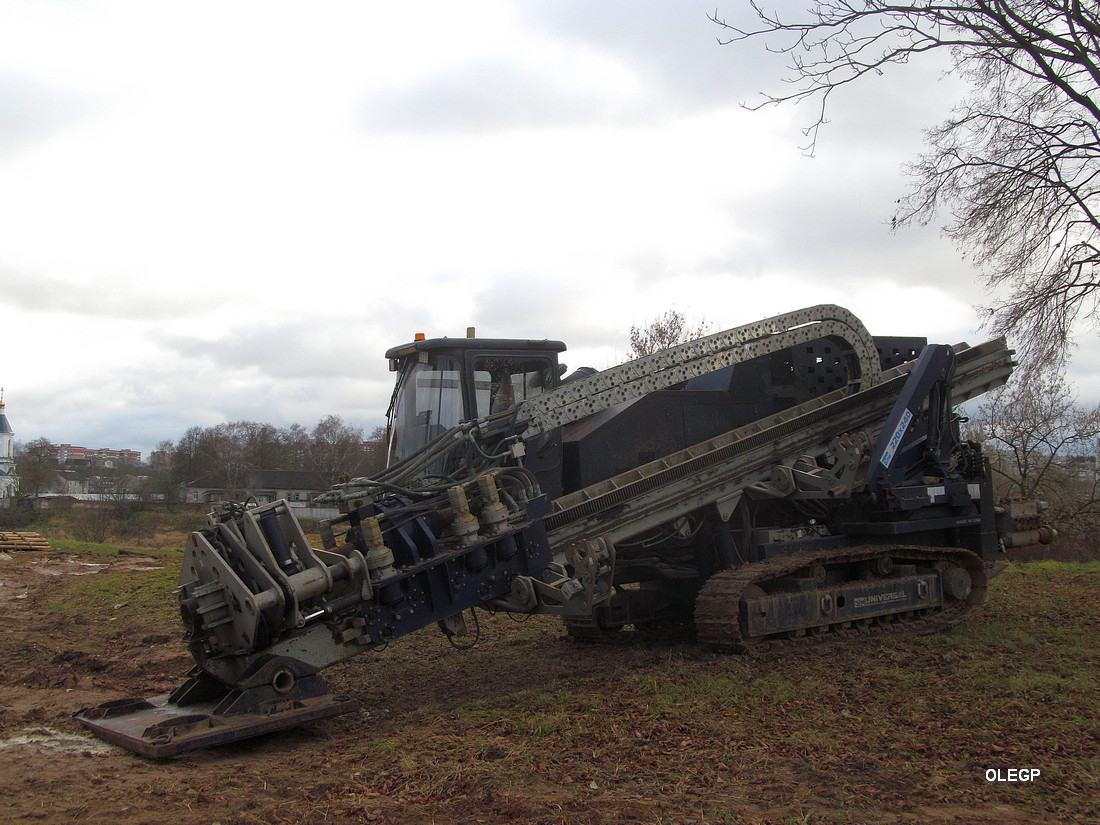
{"type": "Point", "coordinates": [289, 350]}
{"type": "Point", "coordinates": [670, 47]}
{"type": "Point", "coordinates": [835, 218]}
{"type": "Point", "coordinates": [516, 305]}
{"type": "Point", "coordinates": [1084, 369]}
{"type": "Point", "coordinates": [887, 113]}
{"type": "Point", "coordinates": [30, 110]}
{"type": "Point", "coordinates": [488, 96]}
{"type": "Point", "coordinates": [673, 45]}
{"type": "Point", "coordinates": [105, 409]}
{"type": "Point", "coordinates": [107, 298]}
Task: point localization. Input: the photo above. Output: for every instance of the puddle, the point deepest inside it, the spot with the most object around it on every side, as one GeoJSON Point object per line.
{"type": "Point", "coordinates": [66, 568]}
{"type": "Point", "coordinates": [45, 740]}
{"type": "Point", "coordinates": [72, 567]}
{"type": "Point", "coordinates": [95, 568]}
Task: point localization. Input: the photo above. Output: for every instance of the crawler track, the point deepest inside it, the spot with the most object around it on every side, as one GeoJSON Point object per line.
{"type": "Point", "coordinates": [719, 609]}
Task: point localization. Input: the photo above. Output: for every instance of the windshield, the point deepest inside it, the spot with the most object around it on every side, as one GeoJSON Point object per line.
{"type": "Point", "coordinates": [426, 403]}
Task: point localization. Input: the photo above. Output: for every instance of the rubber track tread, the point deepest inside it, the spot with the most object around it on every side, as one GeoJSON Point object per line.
{"type": "Point", "coordinates": [718, 606]}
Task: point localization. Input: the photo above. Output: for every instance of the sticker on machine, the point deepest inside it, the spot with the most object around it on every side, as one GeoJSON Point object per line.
{"type": "Point", "coordinates": [895, 439]}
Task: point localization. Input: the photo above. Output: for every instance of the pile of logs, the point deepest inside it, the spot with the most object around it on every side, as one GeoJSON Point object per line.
{"type": "Point", "coordinates": [22, 541]}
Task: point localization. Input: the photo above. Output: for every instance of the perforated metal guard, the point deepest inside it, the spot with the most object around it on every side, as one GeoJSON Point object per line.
{"type": "Point", "coordinates": [673, 366]}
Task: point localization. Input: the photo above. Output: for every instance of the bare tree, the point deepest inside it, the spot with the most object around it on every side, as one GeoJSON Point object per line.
{"type": "Point", "coordinates": [336, 449]}
{"type": "Point", "coordinates": [666, 330]}
{"type": "Point", "coordinates": [264, 444]}
{"type": "Point", "coordinates": [159, 482]}
{"type": "Point", "coordinates": [1016, 166]}
{"type": "Point", "coordinates": [295, 440]}
{"type": "Point", "coordinates": [228, 455]}
{"type": "Point", "coordinates": [37, 466]}
{"type": "Point", "coordinates": [376, 446]}
{"type": "Point", "coordinates": [117, 484]}
{"type": "Point", "coordinates": [1042, 444]}
{"type": "Point", "coordinates": [224, 448]}
{"type": "Point", "coordinates": [187, 460]}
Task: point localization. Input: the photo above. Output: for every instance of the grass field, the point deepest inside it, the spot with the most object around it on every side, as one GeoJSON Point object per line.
{"type": "Point", "coordinates": [531, 727]}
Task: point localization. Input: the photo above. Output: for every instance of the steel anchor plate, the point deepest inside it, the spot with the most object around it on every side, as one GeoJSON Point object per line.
{"type": "Point", "coordinates": [156, 728]}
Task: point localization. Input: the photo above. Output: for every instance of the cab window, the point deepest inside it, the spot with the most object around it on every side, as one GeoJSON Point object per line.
{"type": "Point", "coordinates": [427, 402]}
{"type": "Point", "coordinates": [501, 382]}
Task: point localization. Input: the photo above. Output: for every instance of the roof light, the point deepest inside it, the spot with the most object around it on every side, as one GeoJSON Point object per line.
{"type": "Point", "coordinates": [419, 336]}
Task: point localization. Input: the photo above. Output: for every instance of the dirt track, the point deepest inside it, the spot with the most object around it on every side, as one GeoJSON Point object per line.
{"type": "Point", "coordinates": [527, 728]}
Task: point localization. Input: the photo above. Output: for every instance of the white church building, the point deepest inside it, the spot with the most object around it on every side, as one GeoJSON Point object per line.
{"type": "Point", "coordinates": [9, 481]}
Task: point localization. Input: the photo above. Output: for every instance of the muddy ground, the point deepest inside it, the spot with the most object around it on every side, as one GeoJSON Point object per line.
{"type": "Point", "coordinates": [530, 727]}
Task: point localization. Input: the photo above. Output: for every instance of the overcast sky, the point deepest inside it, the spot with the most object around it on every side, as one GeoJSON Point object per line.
{"type": "Point", "coordinates": [216, 211]}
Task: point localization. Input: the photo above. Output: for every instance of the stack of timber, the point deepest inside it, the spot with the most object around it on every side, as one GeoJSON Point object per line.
{"type": "Point", "coordinates": [22, 541]}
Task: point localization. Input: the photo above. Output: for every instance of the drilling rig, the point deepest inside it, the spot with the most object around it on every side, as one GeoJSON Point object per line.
{"type": "Point", "coordinates": [790, 480]}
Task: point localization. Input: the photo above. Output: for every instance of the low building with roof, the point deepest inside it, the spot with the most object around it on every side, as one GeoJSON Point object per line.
{"type": "Point", "coordinates": [297, 487]}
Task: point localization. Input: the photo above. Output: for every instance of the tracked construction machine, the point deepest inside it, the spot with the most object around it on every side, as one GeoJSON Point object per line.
{"type": "Point", "coordinates": [788, 479]}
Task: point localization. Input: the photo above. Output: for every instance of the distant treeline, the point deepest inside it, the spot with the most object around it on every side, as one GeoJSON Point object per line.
{"type": "Point", "coordinates": [226, 455]}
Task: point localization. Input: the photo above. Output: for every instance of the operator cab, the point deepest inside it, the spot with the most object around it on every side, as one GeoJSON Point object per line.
{"type": "Point", "coordinates": [444, 381]}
